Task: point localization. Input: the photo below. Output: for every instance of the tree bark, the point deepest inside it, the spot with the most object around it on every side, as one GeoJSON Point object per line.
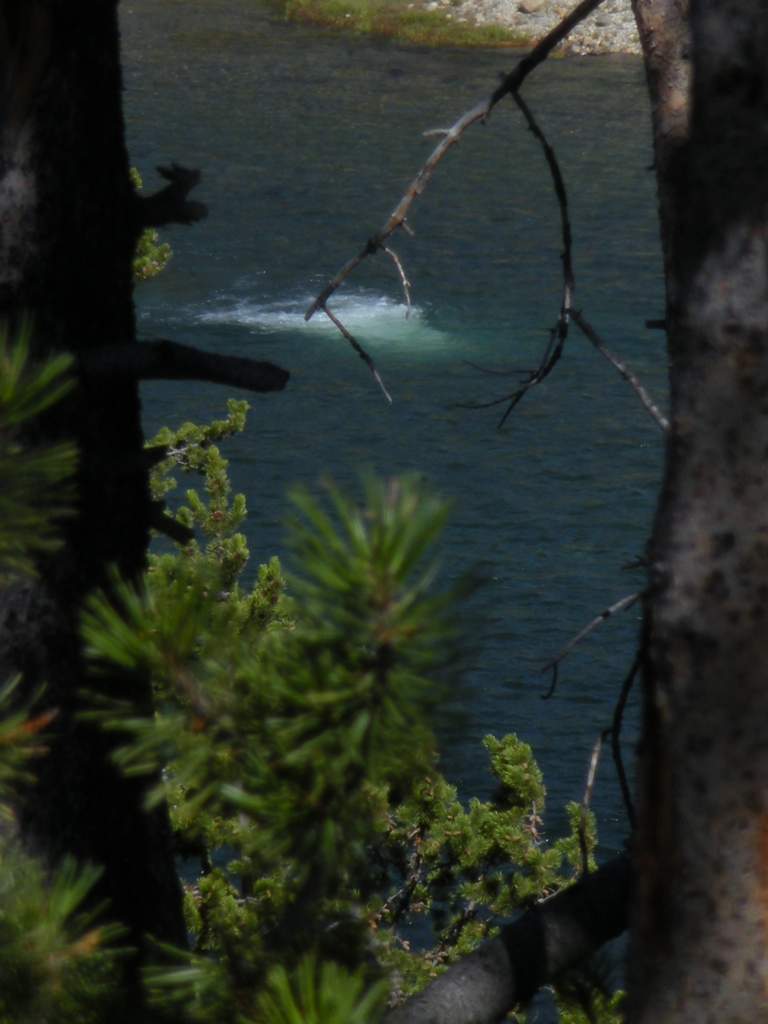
{"type": "Point", "coordinates": [67, 235]}
{"type": "Point", "coordinates": [700, 920]}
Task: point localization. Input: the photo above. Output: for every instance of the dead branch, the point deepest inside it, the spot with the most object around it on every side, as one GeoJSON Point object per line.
{"type": "Point", "coordinates": [360, 351]}
{"type": "Point", "coordinates": [559, 332]}
{"type": "Point", "coordinates": [591, 334]}
{"type": "Point", "coordinates": [168, 360]}
{"type": "Point", "coordinates": [606, 613]}
{"type": "Point", "coordinates": [508, 970]}
{"type": "Point", "coordinates": [451, 137]}
{"type": "Point", "coordinates": [616, 724]}
{"type": "Point", "coordinates": [493, 371]}
{"type": "Point", "coordinates": [594, 761]}
{"type": "Point", "coordinates": [398, 216]}
{"type": "Point", "coordinates": [403, 279]}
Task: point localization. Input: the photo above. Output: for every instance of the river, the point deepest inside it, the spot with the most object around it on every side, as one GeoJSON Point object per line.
{"type": "Point", "coordinates": [306, 141]}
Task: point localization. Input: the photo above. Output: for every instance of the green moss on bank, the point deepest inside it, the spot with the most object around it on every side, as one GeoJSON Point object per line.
{"type": "Point", "coordinates": [401, 21]}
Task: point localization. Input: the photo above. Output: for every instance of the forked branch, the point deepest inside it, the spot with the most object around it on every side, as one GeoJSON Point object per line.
{"type": "Point", "coordinates": [559, 332]}
{"type": "Point", "coordinates": [451, 137]}
{"type": "Point", "coordinates": [619, 606]}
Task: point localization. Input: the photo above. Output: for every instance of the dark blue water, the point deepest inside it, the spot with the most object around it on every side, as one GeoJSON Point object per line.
{"type": "Point", "coordinates": [306, 141]}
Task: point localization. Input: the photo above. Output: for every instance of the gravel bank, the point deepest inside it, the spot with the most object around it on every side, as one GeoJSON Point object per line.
{"type": "Point", "coordinates": [610, 29]}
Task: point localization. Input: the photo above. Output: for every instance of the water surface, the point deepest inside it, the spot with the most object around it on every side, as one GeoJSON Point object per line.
{"type": "Point", "coordinates": [306, 141]}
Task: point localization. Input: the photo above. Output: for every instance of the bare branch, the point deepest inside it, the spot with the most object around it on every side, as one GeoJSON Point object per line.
{"type": "Point", "coordinates": [168, 360]}
{"type": "Point", "coordinates": [545, 941]}
{"type": "Point", "coordinates": [360, 351]}
{"type": "Point", "coordinates": [594, 761]}
{"type": "Point", "coordinates": [171, 204]}
{"type": "Point", "coordinates": [606, 613]}
{"type": "Point", "coordinates": [398, 902]}
{"type": "Point", "coordinates": [559, 332]}
{"type": "Point", "coordinates": [403, 279]}
{"type": "Point", "coordinates": [589, 332]}
{"type": "Point", "coordinates": [616, 724]}
{"type": "Point", "coordinates": [569, 283]}
{"type": "Point", "coordinates": [543, 48]}
{"type": "Point", "coordinates": [549, 361]}
{"type": "Point", "coordinates": [493, 371]}
{"type": "Point", "coordinates": [450, 137]}
{"type": "Point", "coordinates": [398, 216]}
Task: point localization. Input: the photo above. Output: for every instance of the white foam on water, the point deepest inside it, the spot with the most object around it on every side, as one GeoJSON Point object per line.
{"type": "Point", "coordinates": [372, 317]}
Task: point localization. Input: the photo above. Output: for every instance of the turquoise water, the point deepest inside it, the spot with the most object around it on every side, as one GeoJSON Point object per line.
{"type": "Point", "coordinates": [306, 142]}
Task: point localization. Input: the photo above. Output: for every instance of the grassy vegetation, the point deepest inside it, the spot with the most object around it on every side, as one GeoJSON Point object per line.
{"type": "Point", "coordinates": [402, 21]}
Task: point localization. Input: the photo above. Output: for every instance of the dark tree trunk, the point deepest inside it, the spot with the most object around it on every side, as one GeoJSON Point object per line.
{"type": "Point", "coordinates": [701, 907]}
{"type": "Point", "coordinates": [67, 233]}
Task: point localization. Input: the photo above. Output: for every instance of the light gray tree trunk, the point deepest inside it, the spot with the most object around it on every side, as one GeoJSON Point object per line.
{"type": "Point", "coordinates": [699, 949]}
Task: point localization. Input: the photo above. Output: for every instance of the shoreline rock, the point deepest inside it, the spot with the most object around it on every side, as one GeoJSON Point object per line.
{"type": "Point", "coordinates": [609, 29]}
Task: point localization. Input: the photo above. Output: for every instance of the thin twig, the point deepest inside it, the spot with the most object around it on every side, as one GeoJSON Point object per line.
{"type": "Point", "coordinates": [360, 351]}
{"type": "Point", "coordinates": [450, 137]}
{"type": "Point", "coordinates": [492, 371]}
{"type": "Point", "coordinates": [451, 938]}
{"type": "Point", "coordinates": [398, 902]}
{"type": "Point", "coordinates": [616, 724]}
{"type": "Point", "coordinates": [606, 613]}
{"type": "Point", "coordinates": [586, 801]}
{"type": "Point", "coordinates": [403, 279]}
{"type": "Point", "coordinates": [559, 332]}
{"type": "Point", "coordinates": [591, 334]}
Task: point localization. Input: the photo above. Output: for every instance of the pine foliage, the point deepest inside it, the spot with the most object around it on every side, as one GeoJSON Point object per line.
{"type": "Point", "coordinates": [318, 834]}
{"type": "Point", "coordinates": [34, 492]}
{"type": "Point", "coordinates": [329, 867]}
{"type": "Point", "coordinates": [56, 960]}
{"type": "Point", "coordinates": [151, 256]}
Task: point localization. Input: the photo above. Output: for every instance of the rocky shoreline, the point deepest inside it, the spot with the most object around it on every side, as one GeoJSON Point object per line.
{"type": "Point", "coordinates": [610, 29]}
